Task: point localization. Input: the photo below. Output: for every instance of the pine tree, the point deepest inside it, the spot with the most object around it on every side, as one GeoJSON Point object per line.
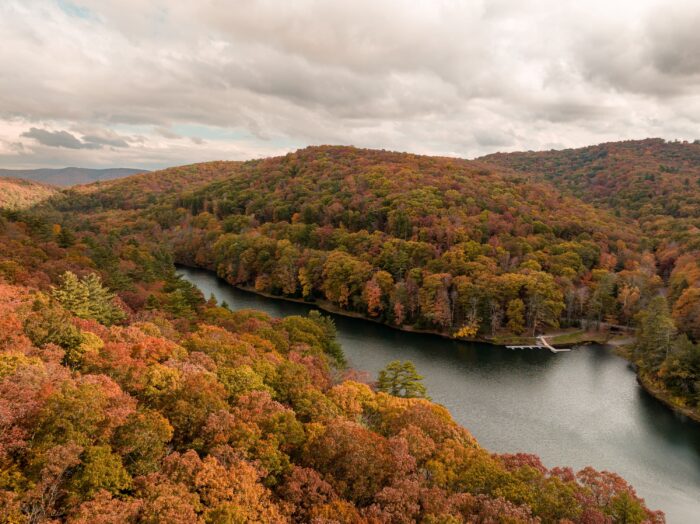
{"type": "Point", "coordinates": [87, 298]}
{"type": "Point", "coordinates": [401, 379]}
{"type": "Point", "coordinates": [73, 295]}
{"type": "Point", "coordinates": [101, 301]}
{"type": "Point", "coordinates": [656, 333]}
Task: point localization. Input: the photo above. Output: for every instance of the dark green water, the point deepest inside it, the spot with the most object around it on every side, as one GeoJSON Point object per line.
{"type": "Point", "coordinates": [579, 408]}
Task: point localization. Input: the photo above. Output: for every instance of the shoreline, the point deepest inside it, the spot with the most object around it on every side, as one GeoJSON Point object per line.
{"type": "Point", "coordinates": [329, 307]}
{"type": "Point", "coordinates": [665, 398]}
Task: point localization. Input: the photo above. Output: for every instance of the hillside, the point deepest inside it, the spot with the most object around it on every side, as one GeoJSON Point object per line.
{"type": "Point", "coordinates": [16, 193]}
{"type": "Point", "coordinates": [655, 182]}
{"type": "Point", "coordinates": [637, 177]}
{"type": "Point", "coordinates": [466, 249]}
{"type": "Point", "coordinates": [657, 185]}
{"type": "Point", "coordinates": [154, 405]}
{"type": "Point", "coordinates": [434, 243]}
{"type": "Point", "coordinates": [69, 176]}
{"type": "Point", "coordinates": [143, 189]}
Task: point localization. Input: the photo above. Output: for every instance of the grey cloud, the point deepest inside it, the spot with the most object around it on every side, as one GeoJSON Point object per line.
{"type": "Point", "coordinates": [674, 41]}
{"type": "Point", "coordinates": [571, 111]}
{"type": "Point", "coordinates": [94, 140]}
{"type": "Point", "coordinates": [447, 77]}
{"type": "Point", "coordinates": [165, 132]}
{"type": "Point", "coordinates": [656, 55]}
{"type": "Point", "coordinates": [493, 138]}
{"type": "Point", "coordinates": [58, 139]}
{"type": "Point", "coordinates": [99, 141]}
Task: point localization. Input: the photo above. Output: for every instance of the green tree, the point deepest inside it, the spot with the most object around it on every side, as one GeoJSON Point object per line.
{"type": "Point", "coordinates": [401, 379]}
{"type": "Point", "coordinates": [101, 469]}
{"type": "Point", "coordinates": [50, 323]}
{"type": "Point", "coordinates": [329, 341]}
{"type": "Point", "coordinates": [516, 316]}
{"type": "Point", "coordinates": [142, 440]}
{"type": "Point", "coordinates": [625, 509]}
{"type": "Point", "coordinates": [65, 238]}
{"type": "Point", "coordinates": [656, 333]}
{"type": "Point", "coordinates": [87, 298]}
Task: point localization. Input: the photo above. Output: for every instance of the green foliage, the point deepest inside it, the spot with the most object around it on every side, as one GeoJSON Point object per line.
{"type": "Point", "coordinates": [673, 361]}
{"type": "Point", "coordinates": [330, 342]}
{"type": "Point", "coordinates": [188, 412]}
{"type": "Point", "coordinates": [65, 238]}
{"type": "Point", "coordinates": [241, 380]}
{"type": "Point", "coordinates": [142, 441]}
{"type": "Point", "coordinates": [656, 333]}
{"type": "Point", "coordinates": [87, 298]}
{"type": "Point", "coordinates": [75, 355]}
{"type": "Point", "coordinates": [516, 316]}
{"type": "Point", "coordinates": [401, 379]}
{"type": "Point", "coordinates": [101, 469]}
{"type": "Point", "coordinates": [50, 323]}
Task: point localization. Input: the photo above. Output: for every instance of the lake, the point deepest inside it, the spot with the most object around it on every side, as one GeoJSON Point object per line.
{"type": "Point", "coordinates": [574, 409]}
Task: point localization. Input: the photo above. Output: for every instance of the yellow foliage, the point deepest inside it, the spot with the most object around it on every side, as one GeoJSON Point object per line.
{"type": "Point", "coordinates": [467, 331]}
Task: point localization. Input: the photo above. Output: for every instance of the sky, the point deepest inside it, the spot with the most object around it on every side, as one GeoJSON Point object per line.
{"type": "Point", "coordinates": [155, 83]}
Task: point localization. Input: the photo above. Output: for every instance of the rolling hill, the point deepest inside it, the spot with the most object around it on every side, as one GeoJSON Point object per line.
{"type": "Point", "coordinates": [127, 397]}
{"type": "Point", "coordinates": [69, 176]}
{"type": "Point", "coordinates": [497, 249]}
{"type": "Point", "coordinates": [16, 193]}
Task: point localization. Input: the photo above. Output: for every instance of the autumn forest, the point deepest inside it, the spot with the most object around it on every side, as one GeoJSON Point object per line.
{"type": "Point", "coordinates": [128, 396]}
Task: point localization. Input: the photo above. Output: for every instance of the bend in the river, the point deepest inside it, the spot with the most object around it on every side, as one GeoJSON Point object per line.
{"type": "Point", "coordinates": [577, 408]}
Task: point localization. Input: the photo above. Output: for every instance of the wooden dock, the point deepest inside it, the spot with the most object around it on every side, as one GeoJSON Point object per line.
{"type": "Point", "coordinates": [541, 344]}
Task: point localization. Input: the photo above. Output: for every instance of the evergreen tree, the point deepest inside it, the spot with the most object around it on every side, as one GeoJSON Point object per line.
{"type": "Point", "coordinates": [331, 346]}
{"type": "Point", "coordinates": [212, 300]}
{"type": "Point", "coordinates": [87, 298]}
{"type": "Point", "coordinates": [65, 238]}
{"type": "Point", "coordinates": [72, 295]}
{"type": "Point", "coordinates": [49, 323]}
{"type": "Point", "coordinates": [656, 334]}
{"type": "Point", "coordinates": [401, 379]}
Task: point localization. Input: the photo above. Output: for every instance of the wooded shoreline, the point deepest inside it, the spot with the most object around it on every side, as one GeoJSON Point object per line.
{"type": "Point", "coordinates": [666, 399]}
{"type": "Point", "coordinates": [328, 307]}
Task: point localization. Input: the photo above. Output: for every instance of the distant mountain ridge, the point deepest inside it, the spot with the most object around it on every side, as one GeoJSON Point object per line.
{"type": "Point", "coordinates": [70, 176]}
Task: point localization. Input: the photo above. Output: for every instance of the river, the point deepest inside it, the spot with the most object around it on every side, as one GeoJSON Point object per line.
{"type": "Point", "coordinates": [578, 408]}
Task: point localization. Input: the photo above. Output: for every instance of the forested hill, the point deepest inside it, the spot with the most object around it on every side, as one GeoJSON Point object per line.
{"type": "Point", "coordinates": [144, 189]}
{"type": "Point", "coordinates": [637, 178]}
{"type": "Point", "coordinates": [468, 249]}
{"type": "Point", "coordinates": [657, 184]}
{"type": "Point", "coordinates": [126, 397]}
{"type": "Point", "coordinates": [18, 194]}
{"type": "Point", "coordinates": [435, 243]}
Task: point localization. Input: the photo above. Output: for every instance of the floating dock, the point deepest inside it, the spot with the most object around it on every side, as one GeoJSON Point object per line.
{"type": "Point", "coordinates": [541, 344]}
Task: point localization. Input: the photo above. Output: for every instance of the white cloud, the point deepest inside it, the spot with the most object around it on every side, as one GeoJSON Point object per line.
{"type": "Point", "coordinates": [159, 82]}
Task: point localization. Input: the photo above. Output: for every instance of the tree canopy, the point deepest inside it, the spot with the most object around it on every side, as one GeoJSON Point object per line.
{"type": "Point", "coordinates": [401, 379]}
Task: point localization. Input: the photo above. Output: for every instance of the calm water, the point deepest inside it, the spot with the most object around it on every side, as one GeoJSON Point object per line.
{"type": "Point", "coordinates": [579, 408]}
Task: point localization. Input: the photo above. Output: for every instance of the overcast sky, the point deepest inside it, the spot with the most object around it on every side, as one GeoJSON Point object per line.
{"type": "Point", "coordinates": [153, 83]}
